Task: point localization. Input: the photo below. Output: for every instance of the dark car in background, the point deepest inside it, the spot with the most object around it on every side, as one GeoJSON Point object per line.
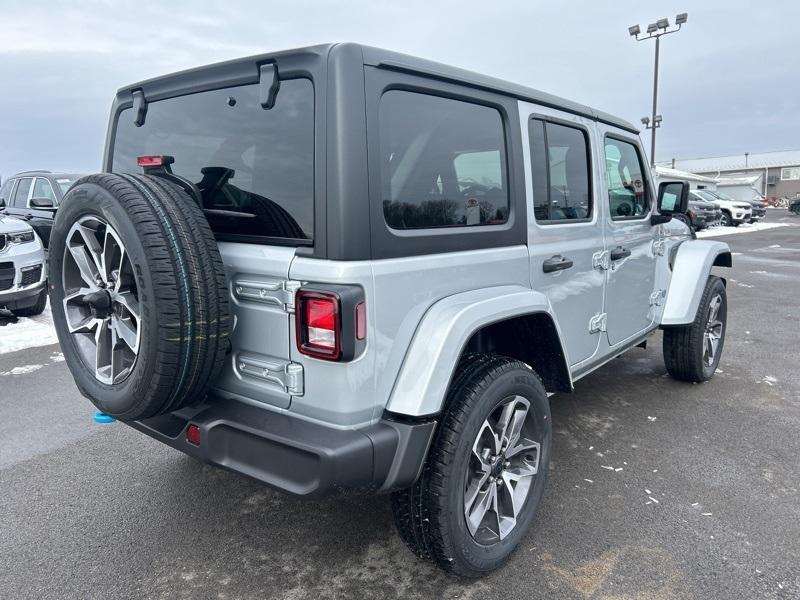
{"type": "Point", "coordinates": [34, 196]}
{"type": "Point", "coordinates": [702, 213]}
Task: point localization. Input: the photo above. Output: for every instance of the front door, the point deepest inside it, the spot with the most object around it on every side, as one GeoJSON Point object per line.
{"type": "Point", "coordinates": [565, 229]}
{"type": "Point", "coordinates": [629, 238]}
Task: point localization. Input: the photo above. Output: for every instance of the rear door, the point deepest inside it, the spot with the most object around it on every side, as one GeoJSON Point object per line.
{"type": "Point", "coordinates": [630, 238]}
{"type": "Point", "coordinates": [565, 230]}
{"type": "Point", "coordinates": [254, 170]}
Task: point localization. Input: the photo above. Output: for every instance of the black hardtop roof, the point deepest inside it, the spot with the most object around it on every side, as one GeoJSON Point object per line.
{"type": "Point", "coordinates": [245, 70]}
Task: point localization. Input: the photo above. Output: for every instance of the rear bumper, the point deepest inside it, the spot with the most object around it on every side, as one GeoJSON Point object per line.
{"type": "Point", "coordinates": [294, 455]}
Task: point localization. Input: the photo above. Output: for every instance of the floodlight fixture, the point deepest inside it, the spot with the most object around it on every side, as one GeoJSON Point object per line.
{"type": "Point", "coordinates": [634, 30]}
{"type": "Point", "coordinates": [652, 28]}
{"type": "Point", "coordinates": [662, 23]}
{"type": "Point", "coordinates": [681, 18]}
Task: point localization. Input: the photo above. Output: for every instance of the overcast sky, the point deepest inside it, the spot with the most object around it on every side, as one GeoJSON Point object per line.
{"type": "Point", "coordinates": [730, 79]}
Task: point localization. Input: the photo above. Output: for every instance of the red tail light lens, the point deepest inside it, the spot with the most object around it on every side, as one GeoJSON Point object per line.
{"type": "Point", "coordinates": [318, 324]}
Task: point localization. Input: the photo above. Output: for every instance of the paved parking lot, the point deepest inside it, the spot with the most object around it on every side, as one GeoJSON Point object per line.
{"type": "Point", "coordinates": [657, 489]}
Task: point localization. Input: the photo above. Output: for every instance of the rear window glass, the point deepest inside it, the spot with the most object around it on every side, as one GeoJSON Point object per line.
{"type": "Point", "coordinates": [443, 162]}
{"type": "Point", "coordinates": [254, 167]}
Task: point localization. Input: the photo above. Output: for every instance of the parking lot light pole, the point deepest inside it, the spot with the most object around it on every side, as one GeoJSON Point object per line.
{"type": "Point", "coordinates": [656, 30]}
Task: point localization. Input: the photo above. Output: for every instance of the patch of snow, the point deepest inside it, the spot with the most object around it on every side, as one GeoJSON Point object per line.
{"type": "Point", "coordinates": [589, 480]}
{"type": "Point", "coordinates": [744, 228]}
{"type": "Point", "coordinates": [775, 246]}
{"type": "Point", "coordinates": [651, 419]}
{"type": "Point", "coordinates": [28, 332]}
{"type": "Point", "coordinates": [760, 272]}
{"type": "Point", "coordinates": [57, 357]}
{"type": "Point", "coordinates": [609, 467]}
{"type": "Point", "coordinates": [653, 499]}
{"type": "Point", "coordinates": [769, 380]}
{"type": "Point", "coordinates": [21, 370]}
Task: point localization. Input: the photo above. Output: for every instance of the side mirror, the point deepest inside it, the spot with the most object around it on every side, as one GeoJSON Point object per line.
{"type": "Point", "coordinates": [2, 202]}
{"type": "Point", "coordinates": [42, 203]}
{"type": "Point", "coordinates": [673, 199]}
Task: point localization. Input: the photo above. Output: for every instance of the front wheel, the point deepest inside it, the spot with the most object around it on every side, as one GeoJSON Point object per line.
{"type": "Point", "coordinates": [485, 472]}
{"type": "Point", "coordinates": [692, 352]}
{"type": "Point", "coordinates": [725, 220]}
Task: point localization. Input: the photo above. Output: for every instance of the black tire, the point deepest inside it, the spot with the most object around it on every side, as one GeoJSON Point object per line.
{"type": "Point", "coordinates": [36, 309]}
{"type": "Point", "coordinates": [430, 514]}
{"type": "Point", "coordinates": [725, 220]}
{"type": "Point", "coordinates": [684, 346]}
{"type": "Point", "coordinates": [182, 293]}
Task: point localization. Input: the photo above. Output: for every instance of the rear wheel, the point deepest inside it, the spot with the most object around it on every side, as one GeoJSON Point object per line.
{"type": "Point", "coordinates": [486, 470]}
{"type": "Point", "coordinates": [139, 296]}
{"type": "Point", "coordinates": [692, 352]}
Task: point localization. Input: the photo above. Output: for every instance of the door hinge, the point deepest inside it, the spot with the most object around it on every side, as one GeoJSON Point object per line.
{"type": "Point", "coordinates": [283, 373]}
{"type": "Point", "coordinates": [598, 323]}
{"type": "Point", "coordinates": [601, 260]}
{"type": "Point", "coordinates": [278, 292]}
{"type": "Point", "coordinates": [659, 247]}
{"type": "Point", "coordinates": [657, 297]}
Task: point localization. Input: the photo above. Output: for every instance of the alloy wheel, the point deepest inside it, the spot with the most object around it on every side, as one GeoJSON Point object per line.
{"type": "Point", "coordinates": [713, 331]}
{"type": "Point", "coordinates": [503, 466]}
{"type": "Point", "coordinates": [101, 300]}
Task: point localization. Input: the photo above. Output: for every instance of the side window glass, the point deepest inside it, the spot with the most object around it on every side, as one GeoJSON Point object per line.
{"type": "Point", "coordinates": [443, 162]}
{"type": "Point", "coordinates": [43, 189]}
{"type": "Point", "coordinates": [561, 172]}
{"type": "Point", "coordinates": [5, 191]}
{"type": "Point", "coordinates": [21, 194]}
{"type": "Point", "coordinates": [627, 185]}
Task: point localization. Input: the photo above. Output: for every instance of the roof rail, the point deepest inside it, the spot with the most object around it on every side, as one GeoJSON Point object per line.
{"type": "Point", "coordinates": [34, 171]}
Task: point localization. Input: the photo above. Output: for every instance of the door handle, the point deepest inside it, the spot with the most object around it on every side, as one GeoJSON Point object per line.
{"type": "Point", "coordinates": [619, 253]}
{"type": "Point", "coordinates": [556, 263]}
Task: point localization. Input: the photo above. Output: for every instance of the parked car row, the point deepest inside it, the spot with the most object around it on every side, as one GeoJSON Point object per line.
{"type": "Point", "coordinates": [733, 212]}
{"type": "Point", "coordinates": [34, 196]}
{"type": "Point", "coordinates": [28, 203]}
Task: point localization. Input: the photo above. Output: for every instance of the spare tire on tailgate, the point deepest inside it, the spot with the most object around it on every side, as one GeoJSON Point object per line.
{"type": "Point", "coordinates": [138, 294]}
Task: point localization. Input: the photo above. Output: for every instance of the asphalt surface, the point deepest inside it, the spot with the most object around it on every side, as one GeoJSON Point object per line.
{"type": "Point", "coordinates": [701, 500]}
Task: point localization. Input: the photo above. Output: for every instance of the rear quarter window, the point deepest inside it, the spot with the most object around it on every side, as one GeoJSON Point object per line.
{"type": "Point", "coordinates": [443, 162]}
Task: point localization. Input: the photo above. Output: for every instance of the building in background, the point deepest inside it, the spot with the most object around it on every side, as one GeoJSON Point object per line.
{"type": "Point", "coordinates": [771, 174]}
{"type": "Point", "coordinates": [696, 182]}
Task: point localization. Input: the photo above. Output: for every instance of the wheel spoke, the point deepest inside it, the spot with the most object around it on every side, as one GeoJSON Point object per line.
{"type": "Point", "coordinates": [511, 420]}
{"type": "Point", "coordinates": [130, 303]}
{"type": "Point", "coordinates": [126, 332]}
{"type": "Point", "coordinates": [89, 237]}
{"type": "Point", "coordinates": [103, 348]}
{"type": "Point", "coordinates": [86, 265]}
{"type": "Point", "coordinates": [475, 514]}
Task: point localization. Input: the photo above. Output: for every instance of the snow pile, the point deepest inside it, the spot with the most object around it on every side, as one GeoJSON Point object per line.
{"type": "Point", "coordinates": [744, 228]}
{"type": "Point", "coordinates": [28, 332]}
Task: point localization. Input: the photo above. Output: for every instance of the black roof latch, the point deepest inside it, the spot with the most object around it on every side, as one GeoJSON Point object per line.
{"type": "Point", "coordinates": [268, 85]}
{"type": "Point", "coordinates": [139, 107]}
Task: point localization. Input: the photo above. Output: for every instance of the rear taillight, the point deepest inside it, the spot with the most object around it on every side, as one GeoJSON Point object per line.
{"type": "Point", "coordinates": [318, 322]}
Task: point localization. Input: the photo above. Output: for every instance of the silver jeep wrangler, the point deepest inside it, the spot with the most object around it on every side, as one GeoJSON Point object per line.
{"type": "Point", "coordinates": [340, 267]}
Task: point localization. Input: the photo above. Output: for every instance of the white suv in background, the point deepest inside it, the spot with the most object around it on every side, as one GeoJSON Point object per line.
{"type": "Point", "coordinates": [23, 288]}
{"type": "Point", "coordinates": [734, 212]}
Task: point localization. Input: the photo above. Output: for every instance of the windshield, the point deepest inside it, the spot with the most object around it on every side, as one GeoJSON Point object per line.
{"type": "Point", "coordinates": [253, 167]}
{"type": "Point", "coordinates": [64, 183]}
{"type": "Point", "coordinates": [707, 196]}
